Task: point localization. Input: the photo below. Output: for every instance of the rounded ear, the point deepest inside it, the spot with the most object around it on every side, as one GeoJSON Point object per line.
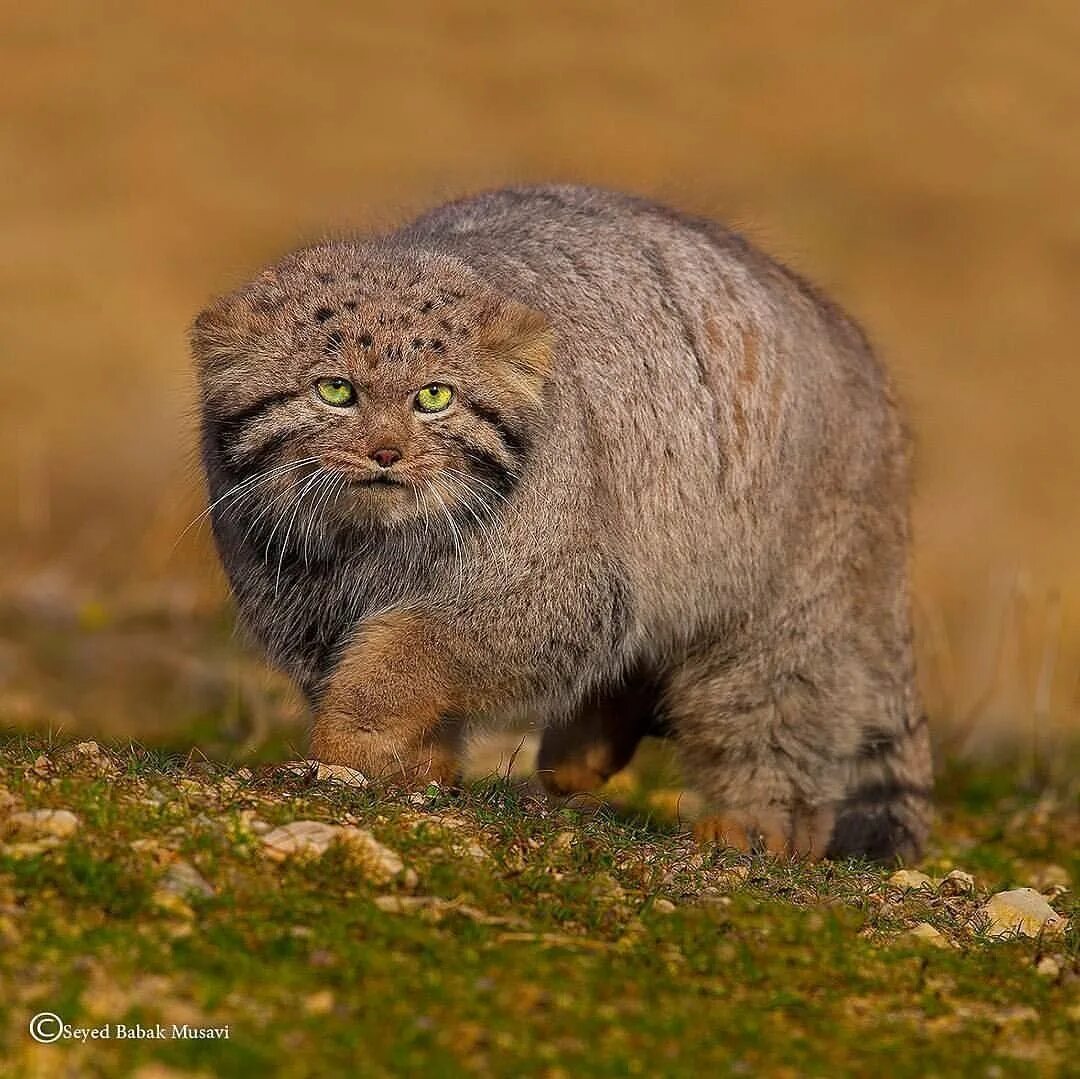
{"type": "Point", "coordinates": [519, 340]}
{"type": "Point", "coordinates": [229, 327]}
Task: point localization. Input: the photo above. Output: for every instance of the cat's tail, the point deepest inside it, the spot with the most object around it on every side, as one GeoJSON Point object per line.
{"type": "Point", "coordinates": [886, 813]}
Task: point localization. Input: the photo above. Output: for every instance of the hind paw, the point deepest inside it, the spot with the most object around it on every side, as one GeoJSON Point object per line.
{"type": "Point", "coordinates": [791, 833]}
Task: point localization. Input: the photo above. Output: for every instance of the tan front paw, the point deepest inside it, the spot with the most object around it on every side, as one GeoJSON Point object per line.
{"type": "Point", "coordinates": [800, 833]}
{"type": "Point", "coordinates": [381, 756]}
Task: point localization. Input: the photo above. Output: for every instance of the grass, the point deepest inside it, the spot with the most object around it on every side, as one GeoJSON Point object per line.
{"type": "Point", "coordinates": [523, 938]}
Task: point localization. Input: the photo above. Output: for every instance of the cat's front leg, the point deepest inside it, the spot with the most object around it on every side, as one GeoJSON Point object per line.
{"type": "Point", "coordinates": [388, 709]}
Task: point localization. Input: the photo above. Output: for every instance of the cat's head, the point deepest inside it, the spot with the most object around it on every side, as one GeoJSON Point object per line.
{"type": "Point", "coordinates": [361, 385]}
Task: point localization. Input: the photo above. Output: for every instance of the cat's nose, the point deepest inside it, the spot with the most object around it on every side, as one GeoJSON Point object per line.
{"type": "Point", "coordinates": [385, 456]}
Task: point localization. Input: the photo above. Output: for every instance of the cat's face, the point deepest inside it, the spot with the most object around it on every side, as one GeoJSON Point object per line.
{"type": "Point", "coordinates": [338, 391]}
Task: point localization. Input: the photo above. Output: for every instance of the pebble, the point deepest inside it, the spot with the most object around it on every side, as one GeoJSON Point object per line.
{"type": "Point", "coordinates": [319, 1003]}
{"type": "Point", "coordinates": [378, 861]}
{"type": "Point", "coordinates": [339, 773]}
{"type": "Point", "coordinates": [1049, 966]}
{"type": "Point", "coordinates": [1051, 880]}
{"type": "Point", "coordinates": [312, 839]}
{"type": "Point", "coordinates": [663, 906]}
{"type": "Point", "coordinates": [1021, 912]}
{"type": "Point", "coordinates": [910, 880]}
{"type": "Point", "coordinates": [90, 753]}
{"type": "Point", "coordinates": [59, 823]}
{"type": "Point", "coordinates": [182, 879]}
{"type": "Point", "coordinates": [927, 933]}
{"type": "Point", "coordinates": [303, 838]}
{"type": "Point", "coordinates": [732, 876]}
{"type": "Point", "coordinates": [957, 882]}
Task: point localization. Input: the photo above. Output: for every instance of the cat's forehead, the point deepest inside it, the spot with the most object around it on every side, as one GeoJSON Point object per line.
{"type": "Point", "coordinates": [380, 311]}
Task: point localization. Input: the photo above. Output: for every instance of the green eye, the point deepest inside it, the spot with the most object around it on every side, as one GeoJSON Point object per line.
{"type": "Point", "coordinates": [338, 392]}
{"type": "Point", "coordinates": [434, 398]}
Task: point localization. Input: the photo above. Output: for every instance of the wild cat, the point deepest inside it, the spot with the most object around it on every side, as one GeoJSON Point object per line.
{"type": "Point", "coordinates": [566, 455]}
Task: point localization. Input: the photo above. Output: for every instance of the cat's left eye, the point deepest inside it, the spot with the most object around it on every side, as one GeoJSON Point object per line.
{"type": "Point", "coordinates": [434, 398]}
{"type": "Point", "coordinates": [338, 392]}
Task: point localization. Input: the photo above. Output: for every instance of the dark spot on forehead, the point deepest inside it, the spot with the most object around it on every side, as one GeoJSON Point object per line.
{"type": "Point", "coordinates": [365, 340]}
{"type": "Point", "coordinates": [446, 324]}
{"type": "Point", "coordinates": [351, 305]}
{"type": "Point", "coordinates": [417, 342]}
{"type": "Point", "coordinates": [437, 345]}
{"type": "Point", "coordinates": [427, 305]}
{"type": "Point", "coordinates": [323, 313]}
{"type": "Point", "coordinates": [325, 278]}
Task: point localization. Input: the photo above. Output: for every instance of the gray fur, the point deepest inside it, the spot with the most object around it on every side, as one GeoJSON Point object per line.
{"type": "Point", "coordinates": [710, 495]}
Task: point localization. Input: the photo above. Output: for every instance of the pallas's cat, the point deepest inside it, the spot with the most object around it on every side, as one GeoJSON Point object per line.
{"type": "Point", "coordinates": [563, 456]}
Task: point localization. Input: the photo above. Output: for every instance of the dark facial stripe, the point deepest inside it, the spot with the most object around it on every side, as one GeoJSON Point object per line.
{"type": "Point", "coordinates": [487, 465]}
{"type": "Point", "coordinates": [260, 457]}
{"type": "Point", "coordinates": [230, 431]}
{"type": "Point", "coordinates": [254, 411]}
{"type": "Point", "coordinates": [515, 443]}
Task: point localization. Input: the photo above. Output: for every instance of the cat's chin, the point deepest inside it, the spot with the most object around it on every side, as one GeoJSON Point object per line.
{"type": "Point", "coordinates": [380, 505]}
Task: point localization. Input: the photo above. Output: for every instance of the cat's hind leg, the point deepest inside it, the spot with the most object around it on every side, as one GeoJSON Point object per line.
{"type": "Point", "coordinates": [582, 752]}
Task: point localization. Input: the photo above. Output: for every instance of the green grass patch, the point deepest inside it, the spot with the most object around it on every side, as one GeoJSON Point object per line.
{"type": "Point", "coordinates": [521, 938]}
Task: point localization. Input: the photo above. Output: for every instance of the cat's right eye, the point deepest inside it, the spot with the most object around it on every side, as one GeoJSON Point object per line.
{"type": "Point", "coordinates": [338, 392]}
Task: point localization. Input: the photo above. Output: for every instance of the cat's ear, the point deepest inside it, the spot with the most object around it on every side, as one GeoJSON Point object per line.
{"type": "Point", "coordinates": [227, 333]}
{"type": "Point", "coordinates": [229, 326]}
{"type": "Point", "coordinates": [518, 340]}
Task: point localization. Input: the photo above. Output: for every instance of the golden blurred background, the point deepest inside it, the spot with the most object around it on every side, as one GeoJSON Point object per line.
{"type": "Point", "coordinates": [919, 161]}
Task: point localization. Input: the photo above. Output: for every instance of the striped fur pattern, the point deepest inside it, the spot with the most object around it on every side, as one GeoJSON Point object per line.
{"type": "Point", "coordinates": [670, 495]}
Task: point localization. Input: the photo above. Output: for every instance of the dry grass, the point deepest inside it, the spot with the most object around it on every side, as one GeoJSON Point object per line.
{"type": "Point", "coordinates": [919, 162]}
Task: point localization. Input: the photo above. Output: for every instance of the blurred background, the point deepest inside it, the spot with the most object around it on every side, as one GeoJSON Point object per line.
{"type": "Point", "coordinates": [919, 161]}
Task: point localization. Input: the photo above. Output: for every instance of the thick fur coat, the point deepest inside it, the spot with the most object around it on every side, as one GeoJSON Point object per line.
{"type": "Point", "coordinates": [669, 494]}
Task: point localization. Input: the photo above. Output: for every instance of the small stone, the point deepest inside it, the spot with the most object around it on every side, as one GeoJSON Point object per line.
{"type": "Point", "coordinates": [171, 903]}
{"type": "Point", "coordinates": [732, 876]}
{"type": "Point", "coordinates": [957, 882]}
{"type": "Point", "coordinates": [31, 849]}
{"type": "Point", "coordinates": [473, 850]}
{"type": "Point", "coordinates": [407, 904]}
{"type": "Point", "coordinates": [247, 821]}
{"type": "Point", "coordinates": [182, 878]}
{"type": "Point", "coordinates": [1021, 912]}
{"type": "Point", "coordinates": [301, 838]}
{"type": "Point", "coordinates": [378, 861]}
{"type": "Point", "coordinates": [564, 841]}
{"type": "Point", "coordinates": [910, 880]}
{"type": "Point", "coordinates": [663, 906]}
{"type": "Point", "coordinates": [319, 1003]}
{"type": "Point", "coordinates": [339, 773]}
{"type": "Point", "coordinates": [928, 934]}
{"type": "Point", "coordinates": [1051, 880]}
{"type": "Point", "coordinates": [61, 823]}
{"type": "Point", "coordinates": [1049, 966]}
{"type": "Point", "coordinates": [312, 839]}
{"type": "Point", "coordinates": [89, 753]}
{"type": "Point", "coordinates": [42, 766]}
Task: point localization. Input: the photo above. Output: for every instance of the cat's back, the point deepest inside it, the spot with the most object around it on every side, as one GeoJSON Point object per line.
{"type": "Point", "coordinates": [619, 274]}
{"type": "Point", "coordinates": [712, 380]}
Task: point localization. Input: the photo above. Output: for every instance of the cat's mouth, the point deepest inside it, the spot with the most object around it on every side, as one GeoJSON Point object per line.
{"type": "Point", "coordinates": [362, 475]}
{"type": "Point", "coordinates": [377, 480]}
